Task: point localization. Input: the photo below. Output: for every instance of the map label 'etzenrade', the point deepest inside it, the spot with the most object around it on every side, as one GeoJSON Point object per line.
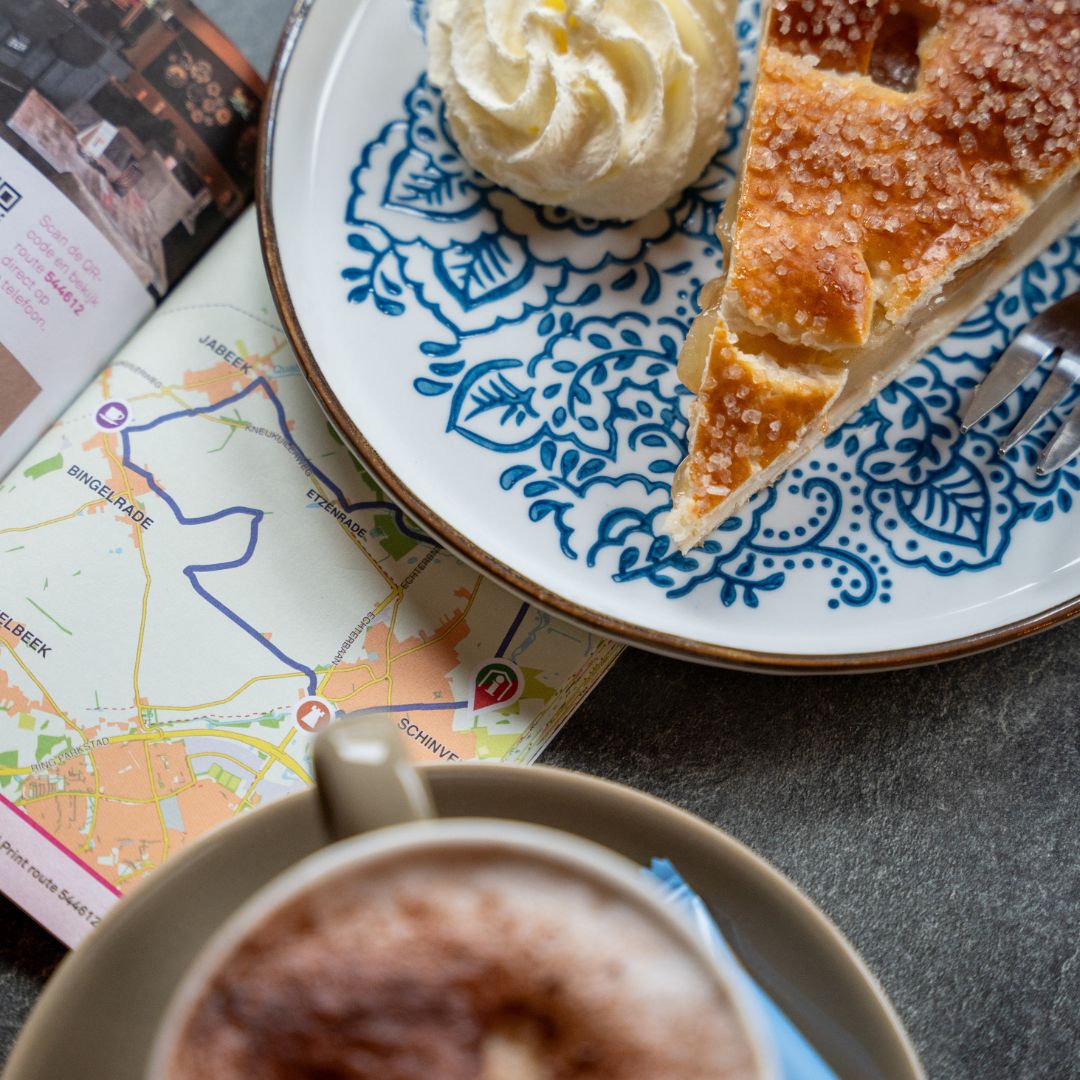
{"type": "Point", "coordinates": [225, 353]}
{"type": "Point", "coordinates": [24, 634]}
{"type": "Point", "coordinates": [125, 506]}
{"type": "Point", "coordinates": [338, 515]}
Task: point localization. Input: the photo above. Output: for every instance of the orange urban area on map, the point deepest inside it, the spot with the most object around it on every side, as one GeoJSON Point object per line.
{"type": "Point", "coordinates": [115, 806]}
{"type": "Point", "coordinates": [114, 791]}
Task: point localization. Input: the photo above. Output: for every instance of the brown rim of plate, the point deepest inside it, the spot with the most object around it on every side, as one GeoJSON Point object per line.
{"type": "Point", "coordinates": [526, 588]}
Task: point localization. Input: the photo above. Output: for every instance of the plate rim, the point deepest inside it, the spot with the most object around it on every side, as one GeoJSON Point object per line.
{"type": "Point", "coordinates": [37, 1027]}
{"type": "Point", "coordinates": [685, 648]}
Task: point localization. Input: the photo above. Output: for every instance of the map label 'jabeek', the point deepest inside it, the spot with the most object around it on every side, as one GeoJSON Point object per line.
{"type": "Point", "coordinates": [226, 354]}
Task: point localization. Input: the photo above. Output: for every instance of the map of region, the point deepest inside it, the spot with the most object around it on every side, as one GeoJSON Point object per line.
{"type": "Point", "coordinates": [195, 573]}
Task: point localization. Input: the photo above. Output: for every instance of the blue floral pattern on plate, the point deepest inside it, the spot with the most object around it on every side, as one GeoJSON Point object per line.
{"type": "Point", "coordinates": [592, 424]}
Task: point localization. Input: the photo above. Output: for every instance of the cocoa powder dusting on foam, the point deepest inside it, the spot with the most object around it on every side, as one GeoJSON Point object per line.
{"type": "Point", "coordinates": [462, 968]}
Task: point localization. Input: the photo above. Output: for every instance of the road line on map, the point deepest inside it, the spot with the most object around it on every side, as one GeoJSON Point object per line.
{"type": "Point", "coordinates": [513, 629]}
{"type": "Point", "coordinates": [339, 494]}
{"type": "Point", "coordinates": [46, 696]}
{"type": "Point", "coordinates": [389, 677]}
{"type": "Point", "coordinates": [52, 521]}
{"type": "Point", "coordinates": [221, 754]}
{"type": "Point", "coordinates": [146, 574]}
{"type": "Point", "coordinates": [124, 800]}
{"type": "Point", "coordinates": [464, 614]}
{"type": "Point", "coordinates": [250, 740]}
{"type": "Point", "coordinates": [159, 735]}
{"type": "Point", "coordinates": [191, 572]}
{"type": "Point", "coordinates": [358, 544]}
{"type": "Point", "coordinates": [157, 804]}
{"type": "Point", "coordinates": [356, 690]}
{"type": "Point", "coordinates": [222, 701]}
{"type": "Point", "coordinates": [261, 774]}
{"type": "Point", "coordinates": [378, 609]}
{"type": "Point", "coordinates": [256, 515]}
{"type": "Point", "coordinates": [232, 425]}
{"type": "Point", "coordinates": [91, 825]}
{"type": "Point", "coordinates": [94, 807]}
{"type": "Point", "coordinates": [362, 665]}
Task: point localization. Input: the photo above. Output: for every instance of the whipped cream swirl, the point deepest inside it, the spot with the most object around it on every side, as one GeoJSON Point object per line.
{"type": "Point", "coordinates": [606, 107]}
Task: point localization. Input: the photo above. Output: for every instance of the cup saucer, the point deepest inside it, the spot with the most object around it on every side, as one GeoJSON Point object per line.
{"type": "Point", "coordinates": [107, 997]}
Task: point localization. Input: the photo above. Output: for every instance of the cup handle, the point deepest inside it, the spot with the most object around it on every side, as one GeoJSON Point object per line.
{"type": "Point", "coordinates": [365, 781]}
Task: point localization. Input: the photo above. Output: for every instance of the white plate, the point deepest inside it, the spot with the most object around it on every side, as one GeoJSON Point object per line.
{"type": "Point", "coordinates": [508, 374]}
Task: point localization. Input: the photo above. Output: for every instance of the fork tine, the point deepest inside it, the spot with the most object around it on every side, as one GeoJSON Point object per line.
{"type": "Point", "coordinates": [1060, 381]}
{"type": "Point", "coordinates": [1063, 447]}
{"type": "Point", "coordinates": [1015, 364]}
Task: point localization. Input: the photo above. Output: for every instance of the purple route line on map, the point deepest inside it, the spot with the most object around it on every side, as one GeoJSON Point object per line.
{"type": "Point", "coordinates": [513, 629]}
{"type": "Point", "coordinates": [521, 613]}
{"type": "Point", "coordinates": [409, 708]}
{"type": "Point", "coordinates": [256, 515]}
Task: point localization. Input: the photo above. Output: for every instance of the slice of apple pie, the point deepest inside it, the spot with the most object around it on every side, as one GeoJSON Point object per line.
{"type": "Point", "coordinates": [903, 159]}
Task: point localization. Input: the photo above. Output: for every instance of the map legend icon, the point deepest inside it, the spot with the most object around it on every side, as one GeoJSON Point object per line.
{"type": "Point", "coordinates": [313, 713]}
{"type": "Point", "coordinates": [497, 684]}
{"type": "Point", "coordinates": [112, 416]}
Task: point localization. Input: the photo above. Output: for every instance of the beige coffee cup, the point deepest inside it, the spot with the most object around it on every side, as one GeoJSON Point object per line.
{"type": "Point", "coordinates": [378, 807]}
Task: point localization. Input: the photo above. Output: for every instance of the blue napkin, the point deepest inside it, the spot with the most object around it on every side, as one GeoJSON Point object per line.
{"type": "Point", "coordinates": [795, 1058]}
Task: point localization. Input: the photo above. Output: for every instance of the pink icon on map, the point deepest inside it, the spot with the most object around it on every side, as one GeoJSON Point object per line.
{"type": "Point", "coordinates": [112, 416]}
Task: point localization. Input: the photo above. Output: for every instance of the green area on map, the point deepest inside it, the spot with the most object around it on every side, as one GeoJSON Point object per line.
{"type": "Point", "coordinates": [43, 468]}
{"type": "Point", "coordinates": [394, 542]}
{"type": "Point", "coordinates": [47, 743]}
{"type": "Point", "coordinates": [226, 779]}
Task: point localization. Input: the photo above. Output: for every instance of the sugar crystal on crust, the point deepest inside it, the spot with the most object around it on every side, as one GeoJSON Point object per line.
{"type": "Point", "coordinates": [891, 144]}
{"type": "Point", "coordinates": [914, 182]}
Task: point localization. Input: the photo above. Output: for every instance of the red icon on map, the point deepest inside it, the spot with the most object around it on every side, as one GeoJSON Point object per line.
{"type": "Point", "coordinates": [313, 713]}
{"type": "Point", "coordinates": [498, 684]}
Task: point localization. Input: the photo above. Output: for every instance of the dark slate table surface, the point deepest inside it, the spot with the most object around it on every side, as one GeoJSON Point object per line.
{"type": "Point", "coordinates": [934, 814]}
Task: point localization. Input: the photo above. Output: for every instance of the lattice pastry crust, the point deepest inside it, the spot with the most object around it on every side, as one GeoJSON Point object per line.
{"type": "Point", "coordinates": [881, 198]}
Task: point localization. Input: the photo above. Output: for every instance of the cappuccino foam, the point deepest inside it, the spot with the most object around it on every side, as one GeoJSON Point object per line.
{"type": "Point", "coordinates": [464, 965]}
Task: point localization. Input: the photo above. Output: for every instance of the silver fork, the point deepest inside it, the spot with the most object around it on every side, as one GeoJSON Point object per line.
{"type": "Point", "coordinates": [1055, 333]}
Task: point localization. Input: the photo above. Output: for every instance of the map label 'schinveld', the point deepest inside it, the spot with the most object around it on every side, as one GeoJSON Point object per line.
{"type": "Point", "coordinates": [427, 740]}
